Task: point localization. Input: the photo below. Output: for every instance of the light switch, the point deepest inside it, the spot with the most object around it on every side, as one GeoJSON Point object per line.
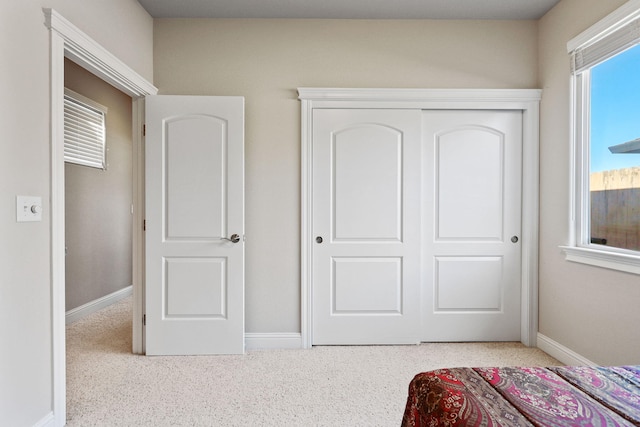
{"type": "Point", "coordinates": [28, 208]}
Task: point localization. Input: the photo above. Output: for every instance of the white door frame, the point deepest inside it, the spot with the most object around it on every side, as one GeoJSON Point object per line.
{"type": "Point", "coordinates": [525, 100]}
{"type": "Point", "coordinates": [68, 41]}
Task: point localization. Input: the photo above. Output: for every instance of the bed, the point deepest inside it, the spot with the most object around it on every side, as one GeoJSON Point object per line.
{"type": "Point", "coordinates": [525, 396]}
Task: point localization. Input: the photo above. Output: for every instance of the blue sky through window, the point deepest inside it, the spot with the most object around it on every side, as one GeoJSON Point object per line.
{"type": "Point", "coordinates": [615, 110]}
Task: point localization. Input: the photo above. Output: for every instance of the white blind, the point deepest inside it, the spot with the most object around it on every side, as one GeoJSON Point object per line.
{"type": "Point", "coordinates": [606, 47]}
{"type": "Point", "coordinates": [84, 131]}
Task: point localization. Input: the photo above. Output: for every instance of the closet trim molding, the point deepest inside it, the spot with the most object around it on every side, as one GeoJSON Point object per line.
{"type": "Point", "coordinates": [525, 100]}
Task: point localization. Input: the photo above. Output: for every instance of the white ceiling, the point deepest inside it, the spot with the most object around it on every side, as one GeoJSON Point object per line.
{"type": "Point", "coordinates": [350, 9]}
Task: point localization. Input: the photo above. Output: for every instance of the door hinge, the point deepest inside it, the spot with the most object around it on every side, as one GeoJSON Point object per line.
{"type": "Point", "coordinates": [144, 225]}
{"type": "Point", "coordinates": [144, 320]}
{"type": "Point", "coordinates": [144, 130]}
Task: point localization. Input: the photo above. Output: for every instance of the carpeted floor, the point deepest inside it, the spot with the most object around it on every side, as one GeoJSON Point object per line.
{"type": "Point", "coordinates": [323, 386]}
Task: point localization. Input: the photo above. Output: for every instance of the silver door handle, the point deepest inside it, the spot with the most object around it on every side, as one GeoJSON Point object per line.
{"type": "Point", "coordinates": [235, 238]}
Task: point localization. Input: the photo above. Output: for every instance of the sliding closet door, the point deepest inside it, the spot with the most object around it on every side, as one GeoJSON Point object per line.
{"type": "Point", "coordinates": [366, 236]}
{"type": "Point", "coordinates": [471, 207]}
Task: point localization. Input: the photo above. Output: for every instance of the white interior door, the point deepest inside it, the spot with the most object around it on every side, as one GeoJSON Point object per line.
{"type": "Point", "coordinates": [471, 208]}
{"type": "Point", "coordinates": [194, 172]}
{"type": "Point", "coordinates": [366, 260]}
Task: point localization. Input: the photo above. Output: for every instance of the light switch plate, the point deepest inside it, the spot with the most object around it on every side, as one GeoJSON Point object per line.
{"type": "Point", "coordinates": [28, 208]}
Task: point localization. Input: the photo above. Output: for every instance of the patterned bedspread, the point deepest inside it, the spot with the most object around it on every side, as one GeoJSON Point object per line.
{"type": "Point", "coordinates": [525, 396]}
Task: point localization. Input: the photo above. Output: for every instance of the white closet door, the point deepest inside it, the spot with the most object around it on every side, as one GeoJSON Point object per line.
{"type": "Point", "coordinates": [471, 208]}
{"type": "Point", "coordinates": [366, 250]}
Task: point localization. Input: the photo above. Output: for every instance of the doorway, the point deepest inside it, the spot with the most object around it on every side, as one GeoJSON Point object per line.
{"type": "Point", "coordinates": [68, 41]}
{"type": "Point", "coordinates": [98, 201]}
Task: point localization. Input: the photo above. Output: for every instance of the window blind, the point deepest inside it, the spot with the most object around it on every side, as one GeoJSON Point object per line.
{"type": "Point", "coordinates": [84, 131]}
{"type": "Point", "coordinates": [628, 35]}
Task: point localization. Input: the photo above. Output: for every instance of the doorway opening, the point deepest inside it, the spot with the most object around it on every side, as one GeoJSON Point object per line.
{"type": "Point", "coordinates": [98, 203]}
{"type": "Point", "coordinates": [67, 41]}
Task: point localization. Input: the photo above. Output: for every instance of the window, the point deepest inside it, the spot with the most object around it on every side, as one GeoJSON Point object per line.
{"type": "Point", "coordinates": [606, 139]}
{"type": "Point", "coordinates": [84, 131]}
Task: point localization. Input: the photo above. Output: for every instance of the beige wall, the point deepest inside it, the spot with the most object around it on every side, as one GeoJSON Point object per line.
{"type": "Point", "coordinates": [25, 283]}
{"type": "Point", "coordinates": [592, 311]}
{"type": "Point", "coordinates": [98, 202]}
{"type": "Point", "coordinates": [266, 60]}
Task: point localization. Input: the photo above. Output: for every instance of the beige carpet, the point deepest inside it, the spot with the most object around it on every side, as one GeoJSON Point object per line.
{"type": "Point", "coordinates": [323, 386]}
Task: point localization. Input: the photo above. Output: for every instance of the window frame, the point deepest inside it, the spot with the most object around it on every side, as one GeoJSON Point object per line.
{"type": "Point", "coordinates": [580, 249]}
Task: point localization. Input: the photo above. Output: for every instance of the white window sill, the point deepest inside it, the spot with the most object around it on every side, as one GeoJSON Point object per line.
{"type": "Point", "coordinates": [606, 259]}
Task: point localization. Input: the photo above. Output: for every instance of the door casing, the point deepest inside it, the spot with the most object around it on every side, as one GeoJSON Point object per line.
{"type": "Point", "coordinates": [66, 40]}
{"type": "Point", "coordinates": [525, 100]}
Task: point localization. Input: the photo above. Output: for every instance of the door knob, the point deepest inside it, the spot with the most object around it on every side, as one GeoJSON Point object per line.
{"type": "Point", "coordinates": [514, 239]}
{"type": "Point", "coordinates": [319, 239]}
{"type": "Point", "coordinates": [235, 238]}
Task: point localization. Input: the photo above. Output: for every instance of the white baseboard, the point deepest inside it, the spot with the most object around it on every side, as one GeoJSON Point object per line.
{"type": "Point", "coordinates": [562, 353]}
{"type": "Point", "coordinates": [273, 341]}
{"type": "Point", "coordinates": [47, 421]}
{"type": "Point", "coordinates": [78, 313]}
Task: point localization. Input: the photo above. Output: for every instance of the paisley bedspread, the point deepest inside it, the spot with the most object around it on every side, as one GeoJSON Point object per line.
{"type": "Point", "coordinates": [525, 396]}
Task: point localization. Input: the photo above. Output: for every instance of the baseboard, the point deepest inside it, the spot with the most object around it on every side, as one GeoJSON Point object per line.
{"type": "Point", "coordinates": [562, 353]}
{"type": "Point", "coordinates": [273, 341]}
{"type": "Point", "coordinates": [84, 310]}
{"type": "Point", "coordinates": [48, 421]}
